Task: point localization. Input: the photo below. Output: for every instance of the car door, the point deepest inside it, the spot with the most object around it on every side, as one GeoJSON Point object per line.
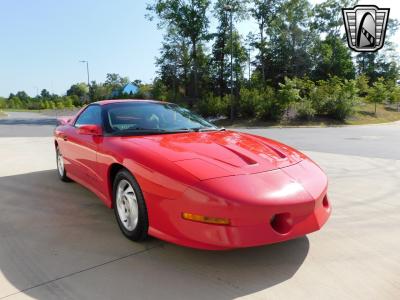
{"type": "Point", "coordinates": [81, 149]}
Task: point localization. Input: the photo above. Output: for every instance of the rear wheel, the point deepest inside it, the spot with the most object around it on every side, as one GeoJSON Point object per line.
{"type": "Point", "coordinates": [129, 206]}
{"type": "Point", "coordinates": [62, 173]}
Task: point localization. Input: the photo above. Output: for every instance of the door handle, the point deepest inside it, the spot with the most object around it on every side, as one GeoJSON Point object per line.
{"type": "Point", "coordinates": [65, 138]}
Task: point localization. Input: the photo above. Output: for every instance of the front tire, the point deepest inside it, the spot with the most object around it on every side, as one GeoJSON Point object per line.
{"type": "Point", "coordinates": [62, 173]}
{"type": "Point", "coordinates": [129, 207]}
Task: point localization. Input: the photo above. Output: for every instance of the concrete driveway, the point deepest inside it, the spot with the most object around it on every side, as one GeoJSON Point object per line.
{"type": "Point", "coordinates": [58, 241]}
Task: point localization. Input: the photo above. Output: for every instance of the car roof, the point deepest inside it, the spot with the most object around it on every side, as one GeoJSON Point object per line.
{"type": "Point", "coordinates": [105, 102]}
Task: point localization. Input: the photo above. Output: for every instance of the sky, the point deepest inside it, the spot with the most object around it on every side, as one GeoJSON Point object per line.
{"type": "Point", "coordinates": [42, 42]}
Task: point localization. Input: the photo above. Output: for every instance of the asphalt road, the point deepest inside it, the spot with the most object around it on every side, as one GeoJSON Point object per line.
{"type": "Point", "coordinates": [58, 241]}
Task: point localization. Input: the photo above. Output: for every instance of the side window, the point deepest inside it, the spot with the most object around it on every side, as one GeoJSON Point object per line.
{"type": "Point", "coordinates": [90, 116]}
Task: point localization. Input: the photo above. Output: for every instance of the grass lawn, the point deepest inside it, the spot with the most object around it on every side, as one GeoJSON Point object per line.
{"type": "Point", "coordinates": [364, 114]}
{"type": "Point", "coordinates": [22, 110]}
{"type": "Point", "coordinates": [2, 114]}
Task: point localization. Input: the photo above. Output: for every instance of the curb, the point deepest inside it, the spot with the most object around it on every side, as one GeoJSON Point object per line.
{"type": "Point", "coordinates": [5, 114]}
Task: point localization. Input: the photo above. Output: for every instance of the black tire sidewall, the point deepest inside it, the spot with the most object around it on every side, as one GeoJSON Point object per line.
{"type": "Point", "coordinates": [141, 229]}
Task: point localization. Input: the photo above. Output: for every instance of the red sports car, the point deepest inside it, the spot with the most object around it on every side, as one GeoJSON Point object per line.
{"type": "Point", "coordinates": [170, 174]}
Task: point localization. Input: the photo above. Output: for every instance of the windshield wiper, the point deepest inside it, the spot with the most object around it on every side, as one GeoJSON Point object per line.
{"type": "Point", "coordinates": [204, 129]}
{"type": "Point", "coordinates": [143, 130]}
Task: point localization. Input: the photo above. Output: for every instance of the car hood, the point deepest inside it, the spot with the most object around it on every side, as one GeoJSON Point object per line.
{"type": "Point", "coordinates": [216, 154]}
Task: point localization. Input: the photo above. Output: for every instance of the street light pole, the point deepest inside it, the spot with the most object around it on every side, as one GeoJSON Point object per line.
{"type": "Point", "coordinates": [86, 98]}
{"type": "Point", "coordinates": [87, 71]}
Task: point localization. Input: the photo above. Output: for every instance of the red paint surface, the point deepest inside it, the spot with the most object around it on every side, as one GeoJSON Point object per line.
{"type": "Point", "coordinates": [255, 182]}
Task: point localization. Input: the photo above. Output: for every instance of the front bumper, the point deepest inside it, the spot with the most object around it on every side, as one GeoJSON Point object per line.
{"type": "Point", "coordinates": [219, 237]}
{"type": "Point", "coordinates": [263, 208]}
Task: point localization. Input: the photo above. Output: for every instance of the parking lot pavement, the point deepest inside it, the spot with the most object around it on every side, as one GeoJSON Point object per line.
{"type": "Point", "coordinates": [381, 140]}
{"type": "Point", "coordinates": [58, 241]}
{"type": "Point", "coordinates": [27, 124]}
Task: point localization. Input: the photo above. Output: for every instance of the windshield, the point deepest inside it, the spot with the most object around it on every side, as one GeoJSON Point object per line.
{"type": "Point", "coordinates": [151, 117]}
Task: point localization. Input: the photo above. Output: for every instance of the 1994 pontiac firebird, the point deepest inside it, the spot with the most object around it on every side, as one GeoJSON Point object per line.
{"type": "Point", "coordinates": [170, 174]}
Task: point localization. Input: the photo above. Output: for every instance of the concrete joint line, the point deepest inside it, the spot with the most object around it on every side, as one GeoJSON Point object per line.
{"type": "Point", "coordinates": [82, 271]}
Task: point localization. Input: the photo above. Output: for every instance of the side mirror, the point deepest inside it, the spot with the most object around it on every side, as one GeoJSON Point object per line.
{"type": "Point", "coordinates": [94, 130]}
{"type": "Point", "coordinates": [63, 120]}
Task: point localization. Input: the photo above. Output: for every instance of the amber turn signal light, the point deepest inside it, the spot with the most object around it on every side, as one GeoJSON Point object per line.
{"type": "Point", "coordinates": [204, 219]}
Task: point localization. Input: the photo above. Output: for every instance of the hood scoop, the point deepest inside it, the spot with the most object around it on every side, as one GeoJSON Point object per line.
{"type": "Point", "coordinates": [246, 159]}
{"type": "Point", "coordinates": [280, 153]}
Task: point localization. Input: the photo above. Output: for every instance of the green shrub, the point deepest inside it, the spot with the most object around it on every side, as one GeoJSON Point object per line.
{"type": "Point", "coordinates": [305, 110]}
{"type": "Point", "coordinates": [3, 103]}
{"type": "Point", "coordinates": [342, 100]}
{"type": "Point", "coordinates": [346, 100]}
{"type": "Point", "coordinates": [288, 92]}
{"type": "Point", "coordinates": [334, 98]}
{"type": "Point", "coordinates": [212, 106]}
{"type": "Point", "coordinates": [261, 103]}
{"type": "Point", "coordinates": [159, 90]}
{"type": "Point", "coordinates": [268, 107]}
{"type": "Point", "coordinates": [378, 92]}
{"type": "Point", "coordinates": [248, 102]}
{"type": "Point", "coordinates": [395, 95]}
{"type": "Point", "coordinates": [59, 105]}
{"type": "Point", "coordinates": [362, 85]}
{"type": "Point", "coordinates": [15, 102]}
{"type": "Point", "coordinates": [68, 102]}
{"type": "Point", "coordinates": [76, 101]}
{"type": "Point", "coordinates": [305, 86]}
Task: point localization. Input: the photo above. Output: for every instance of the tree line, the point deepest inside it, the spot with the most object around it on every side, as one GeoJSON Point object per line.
{"type": "Point", "coordinates": [77, 95]}
{"type": "Point", "coordinates": [298, 58]}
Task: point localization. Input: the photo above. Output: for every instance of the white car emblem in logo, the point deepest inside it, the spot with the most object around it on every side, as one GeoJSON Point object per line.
{"type": "Point", "coordinates": [365, 27]}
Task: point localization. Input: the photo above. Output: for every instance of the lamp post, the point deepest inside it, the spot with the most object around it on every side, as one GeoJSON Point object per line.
{"type": "Point", "coordinates": [229, 8]}
{"type": "Point", "coordinates": [86, 98]}
{"type": "Point", "coordinates": [87, 70]}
